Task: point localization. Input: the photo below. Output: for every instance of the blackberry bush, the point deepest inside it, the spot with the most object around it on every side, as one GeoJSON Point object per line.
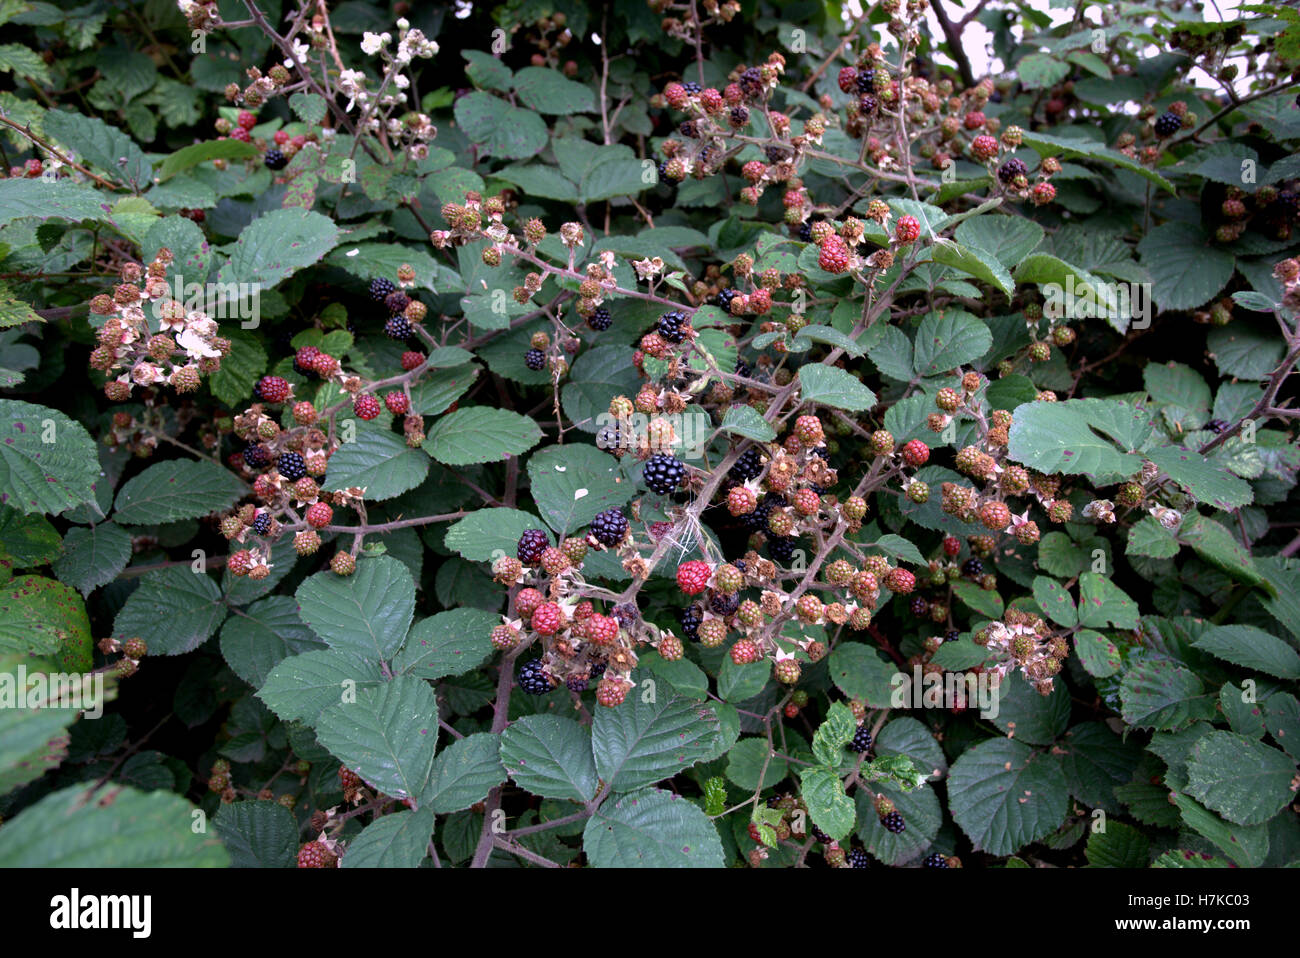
{"type": "Point", "coordinates": [930, 504]}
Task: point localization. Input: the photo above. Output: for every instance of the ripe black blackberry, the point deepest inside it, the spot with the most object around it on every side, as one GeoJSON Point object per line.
{"type": "Point", "coordinates": [535, 359]}
{"type": "Point", "coordinates": [861, 740]}
{"type": "Point", "coordinates": [380, 288]}
{"type": "Point", "coordinates": [867, 104]}
{"type": "Point", "coordinates": [532, 679]}
{"type": "Point", "coordinates": [1012, 168]}
{"type": "Point", "coordinates": [748, 466]}
{"type": "Point", "coordinates": [751, 83]}
{"type": "Point", "coordinates": [690, 86]}
{"type": "Point", "coordinates": [1167, 124]}
{"type": "Point", "coordinates": [663, 473]}
{"type": "Point", "coordinates": [609, 439]}
{"type": "Point", "coordinates": [576, 683]}
{"type": "Point", "coordinates": [256, 456]}
{"type": "Point", "coordinates": [919, 606]}
{"type": "Point", "coordinates": [893, 823]}
{"type": "Point", "coordinates": [724, 298]}
{"type": "Point", "coordinates": [274, 159]}
{"type": "Point", "coordinates": [781, 548]}
{"type": "Point", "coordinates": [291, 466]}
{"type": "Point", "coordinates": [742, 369]}
{"type": "Point", "coordinates": [690, 619]}
{"type": "Point", "coordinates": [670, 326]}
{"type": "Point", "coordinates": [531, 546]}
{"type": "Point", "coordinates": [821, 452]}
{"type": "Point", "coordinates": [952, 635]}
{"type": "Point", "coordinates": [857, 858]}
{"type": "Point", "coordinates": [972, 567]}
{"type": "Point", "coordinates": [609, 527]}
{"type": "Point", "coordinates": [398, 327]}
{"type": "Point", "coordinates": [1216, 425]}
{"type": "Point", "coordinates": [934, 860]}
{"type": "Point", "coordinates": [756, 521]}
{"type": "Point", "coordinates": [776, 154]}
{"type": "Point", "coordinates": [820, 835]}
{"type": "Point", "coordinates": [866, 80]}
{"type": "Point", "coordinates": [688, 130]}
{"type": "Point", "coordinates": [724, 605]}
{"type": "Point", "coordinates": [739, 115]}
{"type": "Point", "coordinates": [600, 320]}
{"type": "Point", "coordinates": [396, 302]}
{"type": "Point", "coordinates": [262, 523]}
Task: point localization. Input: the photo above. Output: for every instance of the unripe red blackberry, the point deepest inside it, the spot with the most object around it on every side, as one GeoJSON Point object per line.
{"type": "Point", "coordinates": [744, 652]}
{"type": "Point", "coordinates": [900, 581]}
{"type": "Point", "coordinates": [343, 563]}
{"type": "Point", "coordinates": [882, 442]}
{"type": "Point", "coordinates": [1060, 510]}
{"type": "Point", "coordinates": [612, 691]}
{"type": "Point", "coordinates": [670, 647]}
{"type": "Point", "coordinates": [306, 542]}
{"type": "Point", "coordinates": [995, 515]}
{"type": "Point", "coordinates": [741, 501]}
{"type": "Point", "coordinates": [712, 632]}
{"type": "Point", "coordinates": [505, 637]}
{"type": "Point", "coordinates": [787, 671]}
{"type": "Point", "coordinates": [854, 508]}
{"type": "Point", "coordinates": [527, 602]}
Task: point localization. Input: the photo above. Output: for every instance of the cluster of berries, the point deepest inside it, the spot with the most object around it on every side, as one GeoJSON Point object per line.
{"type": "Point", "coordinates": [185, 347]}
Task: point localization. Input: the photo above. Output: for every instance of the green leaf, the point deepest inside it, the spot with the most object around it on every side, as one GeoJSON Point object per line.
{"type": "Point", "coordinates": [377, 460]}
{"type": "Point", "coordinates": [505, 131]}
{"type": "Point", "coordinates": [547, 91]}
{"type": "Point", "coordinates": [1039, 70]}
{"type": "Point", "coordinates": [449, 643]}
{"type": "Point", "coordinates": [1180, 386]}
{"type": "Point", "coordinates": [834, 387]}
{"type": "Point", "coordinates": [1095, 762]}
{"type": "Point", "coordinates": [753, 766]}
{"type": "Point", "coordinates": [481, 434]}
{"type": "Point", "coordinates": [919, 808]}
{"type": "Point", "coordinates": [14, 311]}
{"type": "Point", "coordinates": [572, 483]}
{"type": "Point", "coordinates": [1147, 537]}
{"type": "Point", "coordinates": [484, 534]}
{"type": "Point", "coordinates": [651, 828]}
{"type": "Point", "coordinates": [465, 772]}
{"type": "Point", "coordinates": [745, 421]}
{"type": "Point", "coordinates": [825, 334]}
{"type": "Point", "coordinates": [23, 62]}
{"type": "Point", "coordinates": [33, 739]}
{"type": "Point", "coordinates": [48, 463]}
{"type": "Point", "coordinates": [277, 244]}
{"type": "Point", "coordinates": [598, 375]}
{"type": "Point", "coordinates": [910, 737]}
{"type": "Point", "coordinates": [196, 153]}
{"type": "Point", "coordinates": [550, 756]}
{"type": "Point", "coordinates": [1028, 716]}
{"type": "Point", "coordinates": [388, 735]}
{"type": "Point", "coordinates": [176, 489]}
{"type": "Point", "coordinates": [486, 70]}
{"type": "Point", "coordinates": [260, 834]}
{"type": "Point", "coordinates": [1009, 238]}
{"type": "Point", "coordinates": [62, 200]}
{"type": "Point", "coordinates": [891, 351]}
{"type": "Point", "coordinates": [1097, 654]}
{"type": "Point", "coordinates": [116, 827]}
{"type": "Point", "coordinates": [975, 261]}
{"type": "Point", "coordinates": [835, 732]}
{"type": "Point", "coordinates": [1187, 267]}
{"type": "Point", "coordinates": [1069, 148]}
{"type": "Point", "coordinates": [1160, 694]}
{"type": "Point", "coordinates": [1102, 603]}
{"type": "Point", "coordinates": [948, 339]}
{"type": "Point", "coordinates": [1056, 437]}
{"type": "Point", "coordinates": [859, 671]}
{"type": "Point", "coordinates": [175, 610]}
{"type": "Point", "coordinates": [986, 603]}
{"type": "Point", "coordinates": [101, 146]}
{"type": "Point", "coordinates": [1243, 780]}
{"type": "Point", "coordinates": [366, 613]}
{"type": "Point", "coordinates": [1282, 715]}
{"type": "Point", "coordinates": [1055, 601]}
{"type": "Point", "coordinates": [300, 687]}
{"type": "Point", "coordinates": [739, 683]}
{"type": "Point", "coordinates": [309, 107]}
{"type": "Point", "coordinates": [1217, 546]}
{"type": "Point", "coordinates": [1004, 795]}
{"type": "Point", "coordinates": [829, 807]}
{"type": "Point", "coordinates": [1207, 482]}
{"type": "Point", "coordinates": [1118, 846]}
{"type": "Point", "coordinates": [640, 743]}
{"type": "Point", "coordinates": [240, 369]}
{"type": "Point", "coordinates": [27, 540]}
{"type": "Point", "coordinates": [1247, 846]}
{"type": "Point", "coordinates": [542, 182]}
{"type": "Point", "coordinates": [398, 840]}
{"type": "Point", "coordinates": [39, 616]}
{"type": "Point", "coordinates": [1251, 648]}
